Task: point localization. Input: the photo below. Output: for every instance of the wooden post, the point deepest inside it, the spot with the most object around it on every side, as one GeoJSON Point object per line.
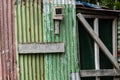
{"type": "Point", "coordinates": [96, 47]}
{"type": "Point", "coordinates": [114, 40]}
{"type": "Point", "coordinates": [57, 25]}
{"type": "Point", "coordinates": [114, 35]}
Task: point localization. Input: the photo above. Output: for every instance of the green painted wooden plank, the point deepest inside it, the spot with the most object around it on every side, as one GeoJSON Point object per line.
{"type": "Point", "coordinates": [52, 40]}
{"type": "Point", "coordinates": [26, 67]}
{"type": "Point", "coordinates": [28, 21]}
{"type": "Point", "coordinates": [38, 67]}
{"type": "Point", "coordinates": [71, 39]}
{"type": "Point", "coordinates": [38, 61]}
{"type": "Point", "coordinates": [45, 24]}
{"type": "Point", "coordinates": [16, 35]}
{"type": "Point", "coordinates": [42, 68]}
{"type": "Point", "coordinates": [30, 67]}
{"type": "Point", "coordinates": [23, 19]}
{"type": "Point", "coordinates": [31, 21]}
{"type": "Point", "coordinates": [36, 21]}
{"type": "Point", "coordinates": [19, 22]}
{"type": "Point", "coordinates": [68, 41]}
{"type": "Point", "coordinates": [22, 67]}
{"type": "Point", "coordinates": [33, 67]}
{"type": "Point", "coordinates": [66, 38]}
{"type": "Point", "coordinates": [24, 29]}
{"type": "Point", "coordinates": [62, 56]}
{"type": "Point", "coordinates": [40, 37]}
{"type": "Point", "coordinates": [20, 40]}
{"type": "Point", "coordinates": [75, 40]}
{"type": "Point", "coordinates": [40, 29]}
{"type": "Point", "coordinates": [118, 29]}
{"type": "Point", "coordinates": [19, 70]}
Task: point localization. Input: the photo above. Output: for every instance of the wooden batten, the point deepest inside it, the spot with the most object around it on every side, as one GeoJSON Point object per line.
{"type": "Point", "coordinates": [98, 73]}
{"type": "Point", "coordinates": [41, 48]}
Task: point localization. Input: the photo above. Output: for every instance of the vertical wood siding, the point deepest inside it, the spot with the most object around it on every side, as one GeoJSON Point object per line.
{"type": "Point", "coordinates": [60, 66]}
{"type": "Point", "coordinates": [7, 41]}
{"type": "Point", "coordinates": [28, 30]}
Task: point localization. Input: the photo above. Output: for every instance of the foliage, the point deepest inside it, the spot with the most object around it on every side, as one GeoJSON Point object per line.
{"type": "Point", "coordinates": [111, 4]}
{"type": "Point", "coordinates": [117, 5]}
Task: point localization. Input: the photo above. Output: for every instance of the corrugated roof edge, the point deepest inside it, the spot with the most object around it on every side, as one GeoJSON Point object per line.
{"type": "Point", "coordinates": [86, 10]}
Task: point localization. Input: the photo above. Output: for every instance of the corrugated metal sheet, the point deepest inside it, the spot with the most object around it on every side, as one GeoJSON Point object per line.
{"type": "Point", "coordinates": [60, 66]}
{"type": "Point", "coordinates": [28, 19]}
{"type": "Point", "coordinates": [7, 41]}
{"type": "Point", "coordinates": [118, 29]}
{"type": "Point", "coordinates": [32, 26]}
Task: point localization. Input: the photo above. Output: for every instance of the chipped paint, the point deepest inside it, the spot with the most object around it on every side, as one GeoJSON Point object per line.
{"type": "Point", "coordinates": [7, 41]}
{"type": "Point", "coordinates": [28, 23]}
{"type": "Point", "coordinates": [60, 66]}
{"type": "Point", "coordinates": [34, 24]}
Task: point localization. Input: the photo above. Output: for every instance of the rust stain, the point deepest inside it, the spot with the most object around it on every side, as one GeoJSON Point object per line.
{"type": "Point", "coordinates": [30, 29]}
{"type": "Point", "coordinates": [39, 2]}
{"type": "Point", "coordinates": [7, 59]}
{"type": "Point", "coordinates": [41, 6]}
{"type": "Point", "coordinates": [33, 0]}
{"type": "Point", "coordinates": [15, 3]}
{"type": "Point", "coordinates": [24, 2]}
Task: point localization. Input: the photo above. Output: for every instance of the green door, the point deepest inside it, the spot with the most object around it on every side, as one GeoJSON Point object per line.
{"type": "Point", "coordinates": [28, 18]}
{"type": "Point", "coordinates": [87, 59]}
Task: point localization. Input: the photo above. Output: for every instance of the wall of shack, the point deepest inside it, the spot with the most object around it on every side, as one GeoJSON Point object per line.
{"type": "Point", "coordinates": [7, 41]}
{"type": "Point", "coordinates": [34, 24]}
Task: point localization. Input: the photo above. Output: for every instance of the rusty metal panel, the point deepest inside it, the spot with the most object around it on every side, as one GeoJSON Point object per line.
{"type": "Point", "coordinates": [7, 41]}
{"type": "Point", "coordinates": [28, 24]}
{"type": "Point", "coordinates": [60, 66]}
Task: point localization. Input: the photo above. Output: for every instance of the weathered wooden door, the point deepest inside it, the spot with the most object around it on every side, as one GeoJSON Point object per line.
{"type": "Point", "coordinates": [28, 19]}
{"type": "Point", "coordinates": [97, 37]}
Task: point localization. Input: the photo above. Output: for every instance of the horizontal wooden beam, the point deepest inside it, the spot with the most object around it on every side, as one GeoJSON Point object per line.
{"type": "Point", "coordinates": [98, 40]}
{"type": "Point", "coordinates": [99, 16]}
{"type": "Point", "coordinates": [98, 73]}
{"type": "Point", "coordinates": [75, 76]}
{"type": "Point", "coordinates": [41, 48]}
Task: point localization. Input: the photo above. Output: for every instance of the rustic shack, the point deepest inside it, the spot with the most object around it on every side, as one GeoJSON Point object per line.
{"type": "Point", "coordinates": [98, 30]}
{"type": "Point", "coordinates": [57, 40]}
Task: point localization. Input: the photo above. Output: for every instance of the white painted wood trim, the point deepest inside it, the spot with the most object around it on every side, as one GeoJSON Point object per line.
{"type": "Point", "coordinates": [114, 35]}
{"type": "Point", "coordinates": [96, 47]}
{"type": "Point", "coordinates": [114, 40]}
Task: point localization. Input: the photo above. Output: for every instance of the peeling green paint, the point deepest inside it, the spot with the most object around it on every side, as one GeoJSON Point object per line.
{"type": "Point", "coordinates": [60, 66]}
{"type": "Point", "coordinates": [33, 26]}
{"type": "Point", "coordinates": [29, 29]}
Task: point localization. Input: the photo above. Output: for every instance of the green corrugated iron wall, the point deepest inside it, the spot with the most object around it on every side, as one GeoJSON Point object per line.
{"type": "Point", "coordinates": [60, 66]}
{"type": "Point", "coordinates": [29, 29]}
{"type": "Point", "coordinates": [118, 30]}
{"type": "Point", "coordinates": [34, 23]}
